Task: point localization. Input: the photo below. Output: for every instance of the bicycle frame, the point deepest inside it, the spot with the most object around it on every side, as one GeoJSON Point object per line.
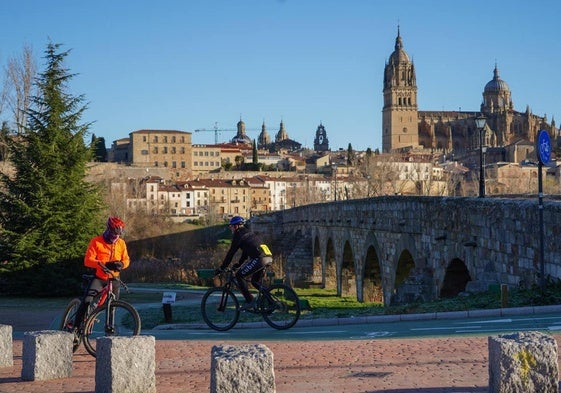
{"type": "Point", "coordinates": [106, 295]}
{"type": "Point", "coordinates": [231, 282]}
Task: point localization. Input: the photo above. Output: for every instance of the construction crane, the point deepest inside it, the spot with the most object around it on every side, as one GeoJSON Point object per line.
{"type": "Point", "coordinates": [217, 131]}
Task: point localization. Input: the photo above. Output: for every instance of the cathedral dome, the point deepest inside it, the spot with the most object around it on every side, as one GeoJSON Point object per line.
{"type": "Point", "coordinates": [496, 84]}
{"type": "Point", "coordinates": [399, 55]}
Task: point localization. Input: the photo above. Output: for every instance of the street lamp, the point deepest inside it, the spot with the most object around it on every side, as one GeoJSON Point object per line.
{"type": "Point", "coordinates": [335, 175]}
{"type": "Point", "coordinates": [480, 124]}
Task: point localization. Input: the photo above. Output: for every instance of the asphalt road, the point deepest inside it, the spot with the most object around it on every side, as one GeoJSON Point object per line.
{"type": "Point", "coordinates": [478, 322]}
{"type": "Point", "coordinates": [372, 329]}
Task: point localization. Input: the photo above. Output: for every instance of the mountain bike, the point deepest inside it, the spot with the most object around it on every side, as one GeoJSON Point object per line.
{"type": "Point", "coordinates": [277, 303]}
{"type": "Point", "coordinates": [105, 316]}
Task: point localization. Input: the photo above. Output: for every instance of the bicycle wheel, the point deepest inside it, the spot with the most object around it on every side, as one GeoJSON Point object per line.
{"type": "Point", "coordinates": [126, 322]}
{"type": "Point", "coordinates": [281, 309]}
{"type": "Point", "coordinates": [67, 322]}
{"type": "Point", "coordinates": [219, 308]}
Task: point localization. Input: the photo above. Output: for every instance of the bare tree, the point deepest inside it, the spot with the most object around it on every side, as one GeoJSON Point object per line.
{"type": "Point", "coordinates": [18, 84]}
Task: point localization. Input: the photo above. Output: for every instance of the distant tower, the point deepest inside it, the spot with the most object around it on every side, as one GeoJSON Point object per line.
{"type": "Point", "coordinates": [241, 136]}
{"type": "Point", "coordinates": [321, 143]}
{"type": "Point", "coordinates": [400, 113]}
{"type": "Point", "coordinates": [496, 95]}
{"type": "Point", "coordinates": [264, 139]}
{"type": "Point", "coordinates": [282, 134]}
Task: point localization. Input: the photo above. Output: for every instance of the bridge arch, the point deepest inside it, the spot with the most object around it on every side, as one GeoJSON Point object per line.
{"type": "Point", "coordinates": [370, 288]}
{"type": "Point", "coordinates": [330, 270]}
{"type": "Point", "coordinates": [347, 275]}
{"type": "Point", "coordinates": [455, 279]}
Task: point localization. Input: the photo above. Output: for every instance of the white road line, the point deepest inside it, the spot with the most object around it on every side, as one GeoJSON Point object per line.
{"type": "Point", "coordinates": [448, 328]}
{"type": "Point", "coordinates": [319, 332]}
{"type": "Point", "coordinates": [508, 320]}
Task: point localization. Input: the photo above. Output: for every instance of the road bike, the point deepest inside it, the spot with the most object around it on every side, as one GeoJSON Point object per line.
{"type": "Point", "coordinates": [277, 303]}
{"type": "Point", "coordinates": [105, 316]}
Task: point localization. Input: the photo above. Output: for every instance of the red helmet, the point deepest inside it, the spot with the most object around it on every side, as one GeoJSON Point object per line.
{"type": "Point", "coordinates": [115, 225]}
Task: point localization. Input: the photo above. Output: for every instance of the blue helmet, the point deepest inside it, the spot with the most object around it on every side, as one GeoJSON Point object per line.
{"type": "Point", "coordinates": [236, 220]}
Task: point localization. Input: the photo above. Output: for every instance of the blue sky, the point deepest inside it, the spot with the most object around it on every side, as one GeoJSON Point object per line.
{"type": "Point", "coordinates": [188, 64]}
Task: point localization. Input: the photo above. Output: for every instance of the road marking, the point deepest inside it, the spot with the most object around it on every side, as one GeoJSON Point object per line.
{"type": "Point", "coordinates": [379, 334]}
{"type": "Point", "coordinates": [448, 328]}
{"type": "Point", "coordinates": [508, 320]}
{"type": "Point", "coordinates": [319, 332]}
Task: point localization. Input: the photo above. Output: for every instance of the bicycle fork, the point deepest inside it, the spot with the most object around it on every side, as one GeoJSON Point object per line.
{"type": "Point", "coordinates": [223, 301]}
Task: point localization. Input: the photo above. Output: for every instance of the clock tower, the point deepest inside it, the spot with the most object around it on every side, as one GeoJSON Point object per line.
{"type": "Point", "coordinates": [321, 143]}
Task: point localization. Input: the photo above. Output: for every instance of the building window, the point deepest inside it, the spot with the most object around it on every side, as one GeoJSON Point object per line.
{"type": "Point", "coordinates": [155, 138]}
{"type": "Point", "coordinates": [182, 164]}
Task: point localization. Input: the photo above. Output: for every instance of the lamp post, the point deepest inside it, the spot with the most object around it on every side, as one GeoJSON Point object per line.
{"type": "Point", "coordinates": [480, 124]}
{"type": "Point", "coordinates": [335, 175]}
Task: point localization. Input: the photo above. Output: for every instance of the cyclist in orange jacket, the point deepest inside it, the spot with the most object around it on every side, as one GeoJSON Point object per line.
{"type": "Point", "coordinates": [110, 250]}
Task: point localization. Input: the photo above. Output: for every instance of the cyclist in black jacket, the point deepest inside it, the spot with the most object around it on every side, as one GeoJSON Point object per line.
{"type": "Point", "coordinates": [255, 255]}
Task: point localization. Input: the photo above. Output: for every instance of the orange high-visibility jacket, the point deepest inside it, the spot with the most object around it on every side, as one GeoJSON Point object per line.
{"type": "Point", "coordinates": [99, 251]}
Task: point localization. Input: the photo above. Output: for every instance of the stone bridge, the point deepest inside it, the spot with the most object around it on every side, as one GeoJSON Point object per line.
{"type": "Point", "coordinates": [399, 249]}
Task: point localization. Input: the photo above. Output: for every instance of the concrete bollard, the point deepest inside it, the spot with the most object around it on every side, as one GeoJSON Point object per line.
{"type": "Point", "coordinates": [6, 346]}
{"type": "Point", "coordinates": [523, 362]}
{"type": "Point", "coordinates": [125, 364]}
{"type": "Point", "coordinates": [46, 354]}
{"type": "Point", "coordinates": [242, 369]}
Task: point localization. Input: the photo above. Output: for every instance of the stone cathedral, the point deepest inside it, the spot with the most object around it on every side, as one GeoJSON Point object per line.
{"type": "Point", "coordinates": [405, 127]}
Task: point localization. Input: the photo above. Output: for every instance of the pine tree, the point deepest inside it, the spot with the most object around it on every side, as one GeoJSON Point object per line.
{"type": "Point", "coordinates": [255, 157]}
{"type": "Point", "coordinates": [48, 212]}
{"type": "Point", "coordinates": [99, 149]}
{"type": "Point", "coordinates": [350, 155]}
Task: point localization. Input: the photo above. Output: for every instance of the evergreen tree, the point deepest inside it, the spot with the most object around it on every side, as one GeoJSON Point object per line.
{"type": "Point", "coordinates": [350, 155]}
{"type": "Point", "coordinates": [48, 212]}
{"type": "Point", "coordinates": [99, 149]}
{"type": "Point", "coordinates": [5, 133]}
{"type": "Point", "coordinates": [255, 163]}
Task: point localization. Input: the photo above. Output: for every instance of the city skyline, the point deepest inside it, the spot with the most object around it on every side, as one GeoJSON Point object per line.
{"type": "Point", "coordinates": [191, 65]}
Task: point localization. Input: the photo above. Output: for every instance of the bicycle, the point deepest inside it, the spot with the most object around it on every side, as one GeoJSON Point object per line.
{"type": "Point", "coordinates": [105, 316]}
{"type": "Point", "coordinates": [277, 303]}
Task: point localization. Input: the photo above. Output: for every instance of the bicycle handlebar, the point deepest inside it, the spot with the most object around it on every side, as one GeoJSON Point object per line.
{"type": "Point", "coordinates": [113, 276]}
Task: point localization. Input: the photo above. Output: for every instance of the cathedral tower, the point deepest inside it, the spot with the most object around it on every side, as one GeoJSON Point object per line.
{"type": "Point", "coordinates": [400, 112]}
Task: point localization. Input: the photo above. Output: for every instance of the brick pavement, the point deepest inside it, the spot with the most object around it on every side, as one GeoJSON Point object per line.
{"type": "Point", "coordinates": [420, 365]}
{"type": "Point", "coordinates": [427, 365]}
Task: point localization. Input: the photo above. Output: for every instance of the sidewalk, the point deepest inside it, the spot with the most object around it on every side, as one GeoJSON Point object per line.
{"type": "Point", "coordinates": [447, 365]}
{"type": "Point", "coordinates": [427, 365]}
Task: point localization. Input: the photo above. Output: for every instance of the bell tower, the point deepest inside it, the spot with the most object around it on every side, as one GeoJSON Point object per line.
{"type": "Point", "coordinates": [400, 112]}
